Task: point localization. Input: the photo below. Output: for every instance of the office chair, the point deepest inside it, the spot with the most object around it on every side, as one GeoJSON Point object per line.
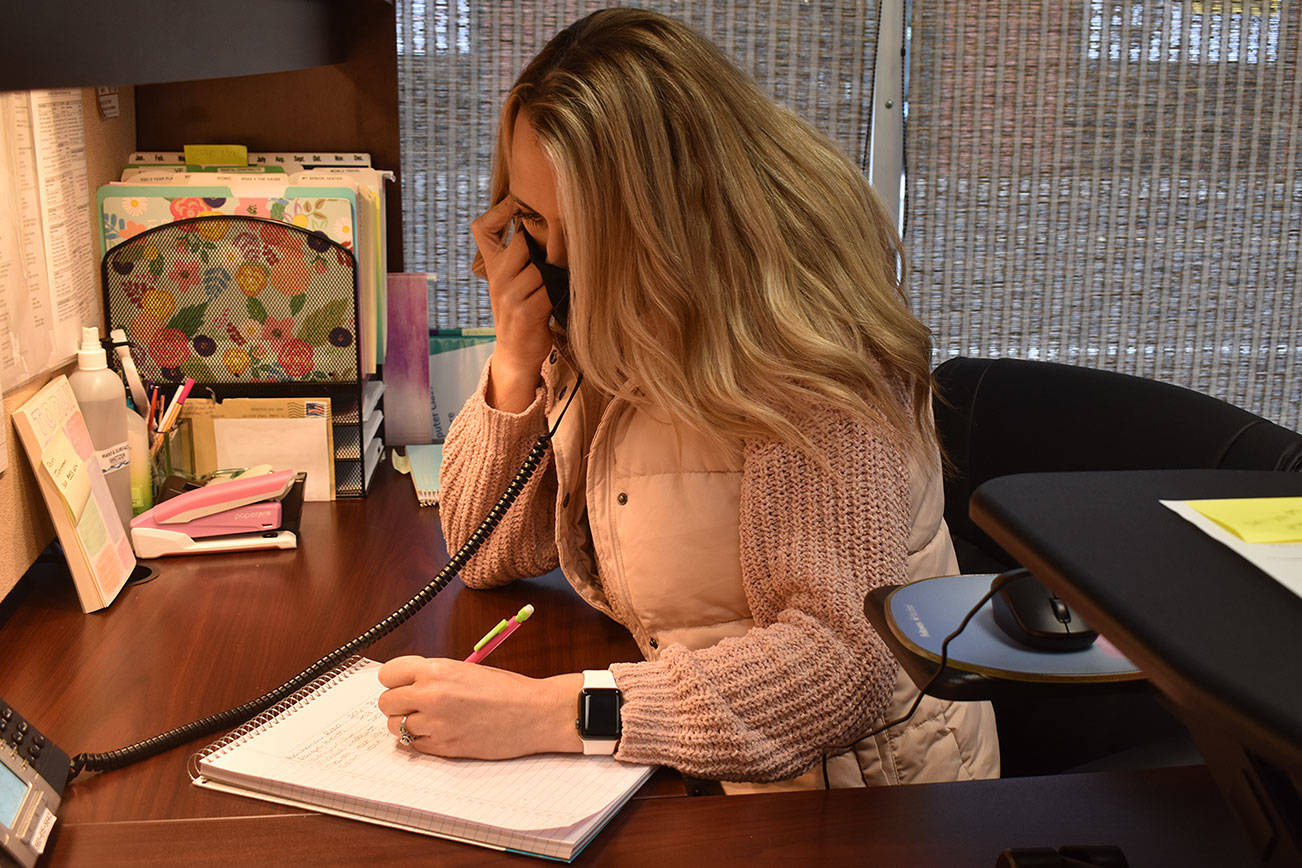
{"type": "Point", "coordinates": [996, 417]}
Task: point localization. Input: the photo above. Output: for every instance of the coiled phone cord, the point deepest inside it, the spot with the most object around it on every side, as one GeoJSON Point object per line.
{"type": "Point", "coordinates": [116, 759]}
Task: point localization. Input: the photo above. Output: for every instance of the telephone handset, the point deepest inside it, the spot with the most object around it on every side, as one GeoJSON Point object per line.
{"type": "Point", "coordinates": [556, 280]}
{"type": "Point", "coordinates": [33, 773]}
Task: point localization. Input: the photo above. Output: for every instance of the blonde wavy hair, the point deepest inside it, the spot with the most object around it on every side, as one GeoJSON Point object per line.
{"type": "Point", "coordinates": [729, 265]}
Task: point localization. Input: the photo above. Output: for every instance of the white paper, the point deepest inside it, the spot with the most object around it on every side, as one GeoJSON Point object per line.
{"type": "Point", "coordinates": [286, 444]}
{"type": "Point", "coordinates": [47, 280]}
{"type": "Point", "coordinates": [1280, 561]}
{"type": "Point", "coordinates": [453, 376]}
{"type": "Point", "coordinates": [59, 135]}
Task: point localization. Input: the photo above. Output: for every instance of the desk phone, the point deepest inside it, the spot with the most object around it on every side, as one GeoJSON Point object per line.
{"type": "Point", "coordinates": [33, 773]}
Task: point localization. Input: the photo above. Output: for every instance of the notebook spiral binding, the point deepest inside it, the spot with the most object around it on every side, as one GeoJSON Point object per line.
{"type": "Point", "coordinates": [298, 698]}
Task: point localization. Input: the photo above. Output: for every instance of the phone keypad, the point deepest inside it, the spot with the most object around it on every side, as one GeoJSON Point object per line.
{"type": "Point", "coordinates": [32, 747]}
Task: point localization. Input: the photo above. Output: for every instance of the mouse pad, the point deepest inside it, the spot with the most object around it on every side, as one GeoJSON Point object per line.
{"type": "Point", "coordinates": [923, 613]}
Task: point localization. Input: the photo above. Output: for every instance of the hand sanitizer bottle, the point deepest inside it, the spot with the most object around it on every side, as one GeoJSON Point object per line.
{"type": "Point", "coordinates": [103, 403]}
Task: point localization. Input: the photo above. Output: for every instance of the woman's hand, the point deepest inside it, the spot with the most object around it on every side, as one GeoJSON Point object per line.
{"type": "Point", "coordinates": [458, 709]}
{"type": "Point", "coordinates": [521, 310]}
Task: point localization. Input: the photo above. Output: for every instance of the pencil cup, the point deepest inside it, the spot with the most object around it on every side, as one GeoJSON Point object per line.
{"type": "Point", "coordinates": [174, 456]}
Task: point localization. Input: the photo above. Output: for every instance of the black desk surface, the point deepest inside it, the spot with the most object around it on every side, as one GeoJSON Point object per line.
{"type": "Point", "coordinates": [1213, 632]}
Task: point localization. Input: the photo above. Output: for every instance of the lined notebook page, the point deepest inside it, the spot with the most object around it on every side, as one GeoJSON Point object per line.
{"type": "Point", "coordinates": [332, 748]}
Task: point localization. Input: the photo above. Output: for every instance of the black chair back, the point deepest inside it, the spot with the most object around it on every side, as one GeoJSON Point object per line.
{"type": "Point", "coordinates": [1001, 416]}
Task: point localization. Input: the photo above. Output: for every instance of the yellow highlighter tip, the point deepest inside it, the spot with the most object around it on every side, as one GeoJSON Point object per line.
{"type": "Point", "coordinates": [523, 615]}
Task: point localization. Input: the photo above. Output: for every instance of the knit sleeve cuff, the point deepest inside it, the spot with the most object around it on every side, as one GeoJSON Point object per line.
{"type": "Point", "coordinates": [496, 426]}
{"type": "Point", "coordinates": [648, 733]}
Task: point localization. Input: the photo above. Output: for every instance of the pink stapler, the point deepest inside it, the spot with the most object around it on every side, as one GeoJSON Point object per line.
{"type": "Point", "coordinates": [248, 512]}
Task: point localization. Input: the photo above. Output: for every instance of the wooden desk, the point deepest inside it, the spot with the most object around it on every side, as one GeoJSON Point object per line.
{"type": "Point", "coordinates": [214, 631]}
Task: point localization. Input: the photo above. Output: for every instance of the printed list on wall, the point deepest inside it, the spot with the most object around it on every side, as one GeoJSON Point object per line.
{"type": "Point", "coordinates": [47, 281]}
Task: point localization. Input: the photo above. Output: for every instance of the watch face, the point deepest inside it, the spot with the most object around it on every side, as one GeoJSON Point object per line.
{"type": "Point", "coordinates": [599, 712]}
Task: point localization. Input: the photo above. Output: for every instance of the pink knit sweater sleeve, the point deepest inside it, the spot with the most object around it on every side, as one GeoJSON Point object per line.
{"type": "Point", "coordinates": [812, 672]}
{"type": "Point", "coordinates": [483, 450]}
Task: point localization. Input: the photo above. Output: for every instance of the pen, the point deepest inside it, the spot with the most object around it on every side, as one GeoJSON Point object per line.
{"type": "Point", "coordinates": [153, 411]}
{"type": "Point", "coordinates": [498, 634]}
{"type": "Point", "coordinates": [169, 417]}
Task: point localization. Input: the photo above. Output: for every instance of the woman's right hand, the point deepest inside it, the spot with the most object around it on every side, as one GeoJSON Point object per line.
{"type": "Point", "coordinates": [521, 310]}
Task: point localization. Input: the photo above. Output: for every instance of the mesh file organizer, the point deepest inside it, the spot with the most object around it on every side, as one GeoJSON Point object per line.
{"type": "Point", "coordinates": [246, 307]}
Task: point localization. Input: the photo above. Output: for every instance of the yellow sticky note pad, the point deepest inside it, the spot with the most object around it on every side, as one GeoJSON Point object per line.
{"type": "Point", "coordinates": [68, 472]}
{"type": "Point", "coordinates": [1256, 519]}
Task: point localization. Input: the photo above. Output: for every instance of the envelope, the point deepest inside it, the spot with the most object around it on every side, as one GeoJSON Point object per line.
{"type": "Point", "coordinates": [287, 433]}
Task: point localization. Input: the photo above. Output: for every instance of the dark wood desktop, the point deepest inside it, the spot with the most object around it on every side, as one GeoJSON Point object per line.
{"type": "Point", "coordinates": [214, 631]}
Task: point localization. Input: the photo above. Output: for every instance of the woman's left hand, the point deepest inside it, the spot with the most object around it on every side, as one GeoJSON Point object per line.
{"type": "Point", "coordinates": [459, 709]}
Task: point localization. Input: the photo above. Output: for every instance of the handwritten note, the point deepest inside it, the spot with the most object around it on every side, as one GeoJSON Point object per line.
{"type": "Point", "coordinates": [68, 472]}
{"type": "Point", "coordinates": [1256, 519]}
{"type": "Point", "coordinates": [54, 434]}
{"type": "Point", "coordinates": [337, 742]}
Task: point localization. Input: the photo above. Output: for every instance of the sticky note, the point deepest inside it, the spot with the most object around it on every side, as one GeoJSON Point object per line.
{"type": "Point", "coordinates": [68, 472]}
{"type": "Point", "coordinates": [1256, 519]}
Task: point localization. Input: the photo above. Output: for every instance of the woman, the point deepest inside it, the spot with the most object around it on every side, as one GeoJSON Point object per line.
{"type": "Point", "coordinates": [749, 451]}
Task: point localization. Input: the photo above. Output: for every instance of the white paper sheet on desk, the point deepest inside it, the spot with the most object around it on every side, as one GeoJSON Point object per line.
{"type": "Point", "coordinates": [1280, 561]}
{"type": "Point", "coordinates": [286, 444]}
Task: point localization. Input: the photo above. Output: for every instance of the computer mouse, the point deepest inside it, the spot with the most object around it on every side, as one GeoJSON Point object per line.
{"type": "Point", "coordinates": [1033, 615]}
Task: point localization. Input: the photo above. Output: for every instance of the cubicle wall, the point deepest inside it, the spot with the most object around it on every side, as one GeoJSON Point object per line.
{"type": "Point", "coordinates": [25, 527]}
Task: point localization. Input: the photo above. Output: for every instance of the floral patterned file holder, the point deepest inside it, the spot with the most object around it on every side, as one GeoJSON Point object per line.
{"type": "Point", "coordinates": [227, 299]}
{"type": "Point", "coordinates": [245, 306]}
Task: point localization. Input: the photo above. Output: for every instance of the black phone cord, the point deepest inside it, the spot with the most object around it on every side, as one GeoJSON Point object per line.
{"type": "Point", "coordinates": [116, 759]}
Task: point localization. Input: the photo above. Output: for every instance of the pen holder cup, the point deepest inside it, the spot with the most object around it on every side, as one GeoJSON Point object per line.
{"type": "Point", "coordinates": [174, 455]}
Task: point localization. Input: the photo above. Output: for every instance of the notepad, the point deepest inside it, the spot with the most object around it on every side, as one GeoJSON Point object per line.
{"type": "Point", "coordinates": [328, 749]}
{"type": "Point", "coordinates": [423, 462]}
{"type": "Point", "coordinates": [67, 467]}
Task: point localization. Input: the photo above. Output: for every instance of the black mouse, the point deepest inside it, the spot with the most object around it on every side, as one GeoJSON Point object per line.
{"type": "Point", "coordinates": [1033, 615]}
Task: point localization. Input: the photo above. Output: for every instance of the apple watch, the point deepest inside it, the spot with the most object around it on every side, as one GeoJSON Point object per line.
{"type": "Point", "coordinates": [599, 722]}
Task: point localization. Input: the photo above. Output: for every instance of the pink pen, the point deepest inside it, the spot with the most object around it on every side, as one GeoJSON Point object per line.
{"type": "Point", "coordinates": [498, 634]}
{"type": "Point", "coordinates": [169, 416]}
{"type": "Point", "coordinates": [174, 409]}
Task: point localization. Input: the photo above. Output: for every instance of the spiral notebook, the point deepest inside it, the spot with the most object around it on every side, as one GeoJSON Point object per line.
{"type": "Point", "coordinates": [327, 749]}
{"type": "Point", "coordinates": [423, 463]}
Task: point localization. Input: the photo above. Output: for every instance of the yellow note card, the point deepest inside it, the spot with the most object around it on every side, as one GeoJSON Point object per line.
{"type": "Point", "coordinates": [1256, 519]}
{"type": "Point", "coordinates": [69, 473]}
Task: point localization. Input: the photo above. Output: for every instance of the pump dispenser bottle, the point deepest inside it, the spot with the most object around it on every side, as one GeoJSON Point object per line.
{"type": "Point", "coordinates": [103, 403]}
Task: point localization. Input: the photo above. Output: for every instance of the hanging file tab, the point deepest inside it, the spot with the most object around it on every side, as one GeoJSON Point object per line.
{"type": "Point", "coordinates": [204, 156]}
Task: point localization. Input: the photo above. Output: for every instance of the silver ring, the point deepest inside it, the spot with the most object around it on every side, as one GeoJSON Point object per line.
{"type": "Point", "coordinates": [404, 734]}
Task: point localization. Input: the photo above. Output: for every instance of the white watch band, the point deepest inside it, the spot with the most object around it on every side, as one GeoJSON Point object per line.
{"type": "Point", "coordinates": [599, 678]}
{"type": "Point", "coordinates": [599, 746]}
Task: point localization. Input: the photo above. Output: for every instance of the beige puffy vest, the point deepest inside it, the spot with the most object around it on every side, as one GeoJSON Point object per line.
{"type": "Point", "coordinates": [643, 484]}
